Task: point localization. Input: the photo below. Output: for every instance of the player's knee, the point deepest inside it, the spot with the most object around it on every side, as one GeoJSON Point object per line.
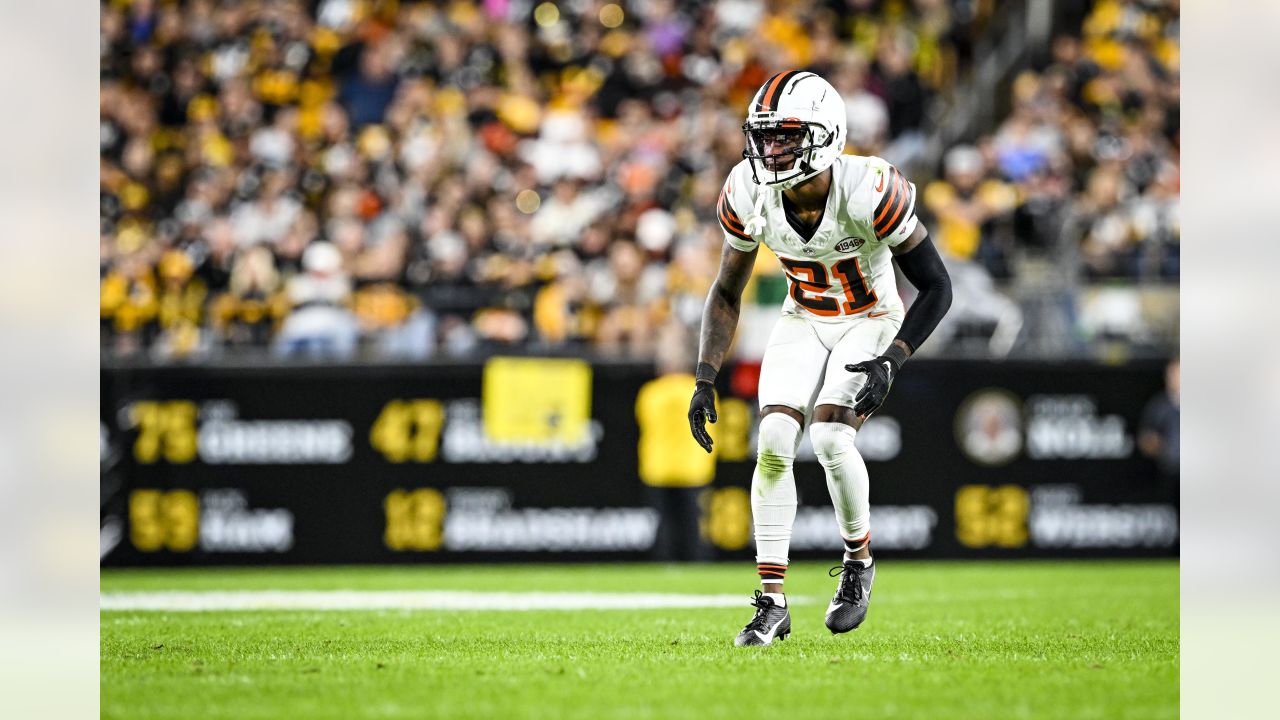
{"type": "Point", "coordinates": [832, 442]}
{"type": "Point", "coordinates": [776, 446]}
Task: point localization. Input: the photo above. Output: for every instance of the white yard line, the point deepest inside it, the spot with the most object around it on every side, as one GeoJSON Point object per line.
{"type": "Point", "coordinates": [409, 600]}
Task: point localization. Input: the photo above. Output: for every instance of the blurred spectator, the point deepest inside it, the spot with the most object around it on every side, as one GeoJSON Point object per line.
{"type": "Point", "coordinates": [1094, 131]}
{"type": "Point", "coordinates": [394, 321]}
{"type": "Point", "coordinates": [965, 203]}
{"type": "Point", "coordinates": [267, 218]}
{"type": "Point", "coordinates": [319, 325]}
{"type": "Point", "coordinates": [366, 93]}
{"type": "Point", "coordinates": [1108, 243]}
{"type": "Point", "coordinates": [449, 156]}
{"type": "Point", "coordinates": [560, 314]}
{"type": "Point", "coordinates": [1157, 224]}
{"type": "Point", "coordinates": [868, 116]}
{"type": "Point", "coordinates": [674, 472]}
{"type": "Point", "coordinates": [247, 313]}
{"type": "Point", "coordinates": [490, 176]}
{"type": "Point", "coordinates": [563, 216]}
{"type": "Point", "coordinates": [181, 307]}
{"type": "Point", "coordinates": [905, 96]}
{"type": "Point", "coordinates": [630, 292]}
{"type": "Point", "coordinates": [129, 303]}
{"type": "Point", "coordinates": [1079, 182]}
{"type": "Point", "coordinates": [1159, 435]}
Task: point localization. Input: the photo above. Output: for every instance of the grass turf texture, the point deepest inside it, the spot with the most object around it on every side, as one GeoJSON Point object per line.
{"type": "Point", "coordinates": [943, 640]}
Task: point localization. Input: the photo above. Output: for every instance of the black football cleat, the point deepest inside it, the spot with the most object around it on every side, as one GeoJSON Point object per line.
{"type": "Point", "coordinates": [770, 623]}
{"type": "Point", "coordinates": [849, 607]}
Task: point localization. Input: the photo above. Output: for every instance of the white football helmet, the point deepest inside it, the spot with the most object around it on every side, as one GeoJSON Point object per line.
{"type": "Point", "coordinates": [802, 114]}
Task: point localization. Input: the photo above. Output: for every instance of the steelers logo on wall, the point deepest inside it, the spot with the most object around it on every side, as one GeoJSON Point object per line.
{"type": "Point", "coordinates": [989, 426]}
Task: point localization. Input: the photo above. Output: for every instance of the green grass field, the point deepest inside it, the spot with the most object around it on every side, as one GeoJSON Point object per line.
{"type": "Point", "coordinates": [1036, 640]}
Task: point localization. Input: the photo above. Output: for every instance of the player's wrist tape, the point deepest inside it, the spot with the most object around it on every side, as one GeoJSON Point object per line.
{"type": "Point", "coordinates": [705, 374]}
{"type": "Point", "coordinates": [896, 355]}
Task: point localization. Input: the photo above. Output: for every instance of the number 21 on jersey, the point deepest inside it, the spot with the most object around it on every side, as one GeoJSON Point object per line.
{"type": "Point", "coordinates": [810, 280]}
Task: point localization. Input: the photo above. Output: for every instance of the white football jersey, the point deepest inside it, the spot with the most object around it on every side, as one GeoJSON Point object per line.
{"type": "Point", "coordinates": [844, 270]}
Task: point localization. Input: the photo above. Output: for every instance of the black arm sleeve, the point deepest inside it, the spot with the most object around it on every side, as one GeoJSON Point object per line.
{"type": "Point", "coordinates": [923, 267]}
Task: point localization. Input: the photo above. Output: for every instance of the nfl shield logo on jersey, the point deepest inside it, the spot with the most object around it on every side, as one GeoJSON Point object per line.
{"type": "Point", "coordinates": [849, 244]}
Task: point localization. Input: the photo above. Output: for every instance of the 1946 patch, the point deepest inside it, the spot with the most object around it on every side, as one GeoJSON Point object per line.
{"type": "Point", "coordinates": [849, 244]}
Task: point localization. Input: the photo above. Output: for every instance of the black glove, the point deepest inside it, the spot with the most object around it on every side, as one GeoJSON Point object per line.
{"type": "Point", "coordinates": [880, 374]}
{"type": "Point", "coordinates": [703, 406]}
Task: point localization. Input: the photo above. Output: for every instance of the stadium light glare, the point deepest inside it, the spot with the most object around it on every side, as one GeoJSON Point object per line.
{"type": "Point", "coordinates": [528, 202]}
{"type": "Point", "coordinates": [546, 14]}
{"type": "Point", "coordinates": [611, 15]}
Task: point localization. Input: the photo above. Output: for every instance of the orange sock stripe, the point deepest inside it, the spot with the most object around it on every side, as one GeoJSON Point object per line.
{"type": "Point", "coordinates": [853, 545]}
{"type": "Point", "coordinates": [772, 571]}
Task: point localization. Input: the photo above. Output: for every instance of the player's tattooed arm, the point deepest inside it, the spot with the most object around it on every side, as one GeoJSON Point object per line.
{"type": "Point", "coordinates": [719, 321]}
{"type": "Point", "coordinates": [724, 302]}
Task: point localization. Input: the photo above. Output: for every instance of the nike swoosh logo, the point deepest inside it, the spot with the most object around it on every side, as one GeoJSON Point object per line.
{"type": "Point", "coordinates": [882, 313]}
{"type": "Point", "coordinates": [769, 636]}
{"type": "Point", "coordinates": [880, 184]}
{"type": "Point", "coordinates": [832, 607]}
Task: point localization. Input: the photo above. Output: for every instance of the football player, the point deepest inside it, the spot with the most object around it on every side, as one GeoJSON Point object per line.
{"type": "Point", "coordinates": [834, 221]}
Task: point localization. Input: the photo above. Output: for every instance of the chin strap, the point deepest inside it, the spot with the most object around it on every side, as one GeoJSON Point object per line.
{"type": "Point", "coordinates": [756, 222]}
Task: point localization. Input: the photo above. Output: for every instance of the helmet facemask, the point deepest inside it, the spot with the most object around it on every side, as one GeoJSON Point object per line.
{"type": "Point", "coordinates": [781, 152]}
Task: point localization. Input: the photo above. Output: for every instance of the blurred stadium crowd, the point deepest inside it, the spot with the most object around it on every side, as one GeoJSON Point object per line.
{"type": "Point", "coordinates": [355, 178]}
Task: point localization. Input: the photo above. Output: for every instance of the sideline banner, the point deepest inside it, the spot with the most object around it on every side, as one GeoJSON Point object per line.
{"type": "Point", "coordinates": [538, 458]}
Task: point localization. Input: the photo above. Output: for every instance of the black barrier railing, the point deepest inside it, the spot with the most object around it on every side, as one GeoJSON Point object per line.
{"type": "Point", "coordinates": [542, 458]}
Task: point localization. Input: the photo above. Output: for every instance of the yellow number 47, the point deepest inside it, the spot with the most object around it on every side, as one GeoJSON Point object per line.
{"type": "Point", "coordinates": [408, 430]}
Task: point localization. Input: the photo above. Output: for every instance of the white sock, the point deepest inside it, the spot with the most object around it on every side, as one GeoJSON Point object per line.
{"type": "Point", "coordinates": [853, 547]}
{"type": "Point", "coordinates": [847, 478]}
{"type": "Point", "coordinates": [773, 487]}
{"type": "Point", "coordinates": [778, 599]}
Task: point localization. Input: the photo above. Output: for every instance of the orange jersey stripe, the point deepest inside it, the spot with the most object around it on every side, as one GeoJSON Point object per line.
{"type": "Point", "coordinates": [902, 205]}
{"type": "Point", "coordinates": [893, 193]}
{"type": "Point", "coordinates": [727, 215]}
{"type": "Point", "coordinates": [734, 231]}
{"type": "Point", "coordinates": [724, 199]}
{"type": "Point", "coordinates": [737, 234]}
{"type": "Point", "coordinates": [890, 205]}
